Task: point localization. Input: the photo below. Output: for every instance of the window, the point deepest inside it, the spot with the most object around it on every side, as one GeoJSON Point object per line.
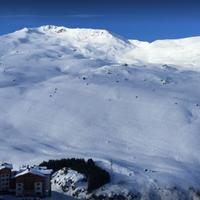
{"type": "Point", "coordinates": [19, 185]}
{"type": "Point", "coordinates": [38, 193]}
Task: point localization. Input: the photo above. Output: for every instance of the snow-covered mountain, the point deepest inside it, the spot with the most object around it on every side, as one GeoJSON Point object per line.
{"type": "Point", "coordinates": [179, 52]}
{"type": "Point", "coordinates": [133, 106]}
{"type": "Point", "coordinates": [101, 44]}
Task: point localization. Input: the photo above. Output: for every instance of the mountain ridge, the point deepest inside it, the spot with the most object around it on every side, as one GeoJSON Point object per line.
{"type": "Point", "coordinates": [101, 44]}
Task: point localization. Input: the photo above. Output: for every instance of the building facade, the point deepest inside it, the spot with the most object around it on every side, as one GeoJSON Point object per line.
{"type": "Point", "coordinates": [30, 184]}
{"type": "Point", "coordinates": [33, 182]}
{"type": "Point", "coordinates": [27, 182]}
{"type": "Point", "coordinates": [5, 175]}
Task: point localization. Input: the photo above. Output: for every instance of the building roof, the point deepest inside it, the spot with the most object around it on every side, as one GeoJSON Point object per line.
{"type": "Point", "coordinates": [43, 170]}
{"type": "Point", "coordinates": [29, 171]}
{"type": "Point", "coordinates": [35, 170]}
{"type": "Point", "coordinates": [6, 166]}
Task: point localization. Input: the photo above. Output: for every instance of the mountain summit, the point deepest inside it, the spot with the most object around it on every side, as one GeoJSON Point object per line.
{"type": "Point", "coordinates": [106, 46]}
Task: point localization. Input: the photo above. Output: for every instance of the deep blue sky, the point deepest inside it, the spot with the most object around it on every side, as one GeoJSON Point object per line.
{"type": "Point", "coordinates": [136, 19]}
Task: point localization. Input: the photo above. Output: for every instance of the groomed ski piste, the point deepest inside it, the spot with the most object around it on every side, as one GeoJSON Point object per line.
{"type": "Point", "coordinates": [132, 106]}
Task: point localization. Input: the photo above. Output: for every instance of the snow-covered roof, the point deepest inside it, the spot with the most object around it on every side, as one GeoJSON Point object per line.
{"type": "Point", "coordinates": [30, 171]}
{"type": "Point", "coordinates": [43, 170]}
{"type": "Point", "coordinates": [36, 170]}
{"type": "Point", "coordinates": [6, 165]}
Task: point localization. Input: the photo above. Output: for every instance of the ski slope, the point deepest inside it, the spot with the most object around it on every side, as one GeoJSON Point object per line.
{"type": "Point", "coordinates": [133, 106]}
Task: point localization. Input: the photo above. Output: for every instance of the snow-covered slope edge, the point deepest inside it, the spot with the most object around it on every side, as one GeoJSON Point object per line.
{"type": "Point", "coordinates": [69, 182]}
{"type": "Point", "coordinates": [65, 95]}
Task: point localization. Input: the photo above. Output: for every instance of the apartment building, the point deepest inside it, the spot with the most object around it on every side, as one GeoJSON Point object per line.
{"type": "Point", "coordinates": [27, 182]}
{"type": "Point", "coordinates": [5, 175]}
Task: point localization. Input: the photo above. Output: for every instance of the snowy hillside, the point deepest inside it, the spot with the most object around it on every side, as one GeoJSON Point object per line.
{"type": "Point", "coordinates": [132, 106]}
{"type": "Point", "coordinates": [180, 52]}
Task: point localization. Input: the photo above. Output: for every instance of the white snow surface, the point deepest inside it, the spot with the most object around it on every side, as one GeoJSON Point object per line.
{"type": "Point", "coordinates": [36, 170]}
{"type": "Point", "coordinates": [133, 106]}
{"type": "Point", "coordinates": [6, 165]}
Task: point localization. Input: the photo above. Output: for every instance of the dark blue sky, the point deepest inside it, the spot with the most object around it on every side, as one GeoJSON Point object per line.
{"type": "Point", "coordinates": [139, 19]}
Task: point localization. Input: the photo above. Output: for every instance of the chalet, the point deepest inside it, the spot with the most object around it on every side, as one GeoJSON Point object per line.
{"type": "Point", "coordinates": [33, 182]}
{"type": "Point", "coordinates": [5, 175]}
{"type": "Point", "coordinates": [27, 182]}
